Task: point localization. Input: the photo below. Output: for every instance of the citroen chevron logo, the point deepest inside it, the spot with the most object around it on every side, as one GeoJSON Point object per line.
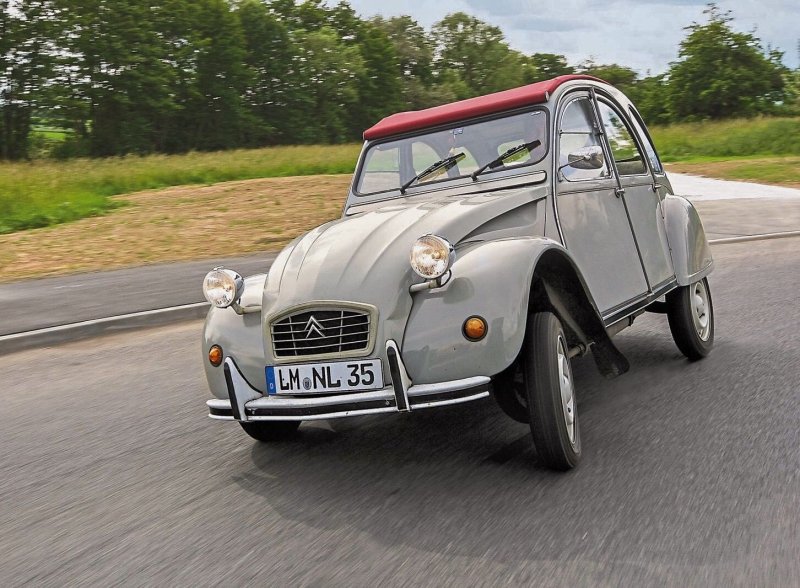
{"type": "Point", "coordinates": [313, 329]}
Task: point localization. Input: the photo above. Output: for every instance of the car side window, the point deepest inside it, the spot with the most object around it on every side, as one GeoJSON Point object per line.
{"type": "Point", "coordinates": [648, 146]}
{"type": "Point", "coordinates": [577, 131]}
{"type": "Point", "coordinates": [626, 153]}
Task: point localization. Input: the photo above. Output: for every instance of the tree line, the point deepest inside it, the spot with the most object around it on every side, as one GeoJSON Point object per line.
{"type": "Point", "coordinates": [129, 76]}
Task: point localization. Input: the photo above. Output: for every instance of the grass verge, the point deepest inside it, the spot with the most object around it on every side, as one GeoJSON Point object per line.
{"type": "Point", "coordinates": [45, 193]}
{"type": "Point", "coordinates": [782, 171]}
{"type": "Point", "coordinates": [730, 138]}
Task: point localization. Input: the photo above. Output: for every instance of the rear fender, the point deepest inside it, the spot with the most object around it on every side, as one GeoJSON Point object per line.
{"type": "Point", "coordinates": [691, 253]}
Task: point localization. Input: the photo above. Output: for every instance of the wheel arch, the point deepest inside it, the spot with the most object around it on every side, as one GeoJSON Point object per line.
{"type": "Point", "coordinates": [558, 286]}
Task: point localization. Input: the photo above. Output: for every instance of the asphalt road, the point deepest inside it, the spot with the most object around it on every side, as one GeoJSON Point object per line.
{"type": "Point", "coordinates": [79, 297]}
{"type": "Point", "coordinates": [110, 473]}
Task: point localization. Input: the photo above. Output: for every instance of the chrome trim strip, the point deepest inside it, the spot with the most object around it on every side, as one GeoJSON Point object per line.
{"type": "Point", "coordinates": [451, 386]}
{"type": "Point", "coordinates": [436, 403]}
{"type": "Point", "coordinates": [328, 415]}
{"type": "Point", "coordinates": [303, 402]}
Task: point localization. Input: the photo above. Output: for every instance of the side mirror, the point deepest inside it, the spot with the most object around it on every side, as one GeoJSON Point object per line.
{"type": "Point", "coordinates": [587, 158]}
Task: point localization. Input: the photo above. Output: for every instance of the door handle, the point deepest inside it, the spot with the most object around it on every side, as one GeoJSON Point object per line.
{"type": "Point", "coordinates": [619, 192]}
{"type": "Point", "coordinates": [656, 186]}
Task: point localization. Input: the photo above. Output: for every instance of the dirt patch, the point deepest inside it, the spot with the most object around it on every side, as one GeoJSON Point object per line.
{"type": "Point", "coordinates": [178, 224]}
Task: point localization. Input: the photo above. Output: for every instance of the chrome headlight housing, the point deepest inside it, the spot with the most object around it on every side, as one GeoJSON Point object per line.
{"type": "Point", "coordinates": [432, 256]}
{"type": "Point", "coordinates": [222, 287]}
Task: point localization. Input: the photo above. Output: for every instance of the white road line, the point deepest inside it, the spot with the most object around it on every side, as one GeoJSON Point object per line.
{"type": "Point", "coordinates": [761, 237]}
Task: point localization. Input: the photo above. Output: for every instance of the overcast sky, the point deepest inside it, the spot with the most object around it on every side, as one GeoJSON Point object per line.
{"type": "Point", "coordinates": [641, 34]}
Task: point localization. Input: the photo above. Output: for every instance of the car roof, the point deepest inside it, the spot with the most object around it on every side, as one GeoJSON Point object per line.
{"type": "Point", "coordinates": [413, 120]}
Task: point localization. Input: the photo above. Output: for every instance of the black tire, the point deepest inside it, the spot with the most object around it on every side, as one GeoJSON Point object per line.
{"type": "Point", "coordinates": [548, 414]}
{"type": "Point", "coordinates": [692, 338]}
{"type": "Point", "coordinates": [508, 389]}
{"type": "Point", "coordinates": [269, 431]}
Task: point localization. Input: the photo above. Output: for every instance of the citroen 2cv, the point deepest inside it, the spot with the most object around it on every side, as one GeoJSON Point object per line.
{"type": "Point", "coordinates": [483, 244]}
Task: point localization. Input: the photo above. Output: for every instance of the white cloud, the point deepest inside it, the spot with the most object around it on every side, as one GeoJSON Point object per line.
{"type": "Point", "coordinates": [641, 34]}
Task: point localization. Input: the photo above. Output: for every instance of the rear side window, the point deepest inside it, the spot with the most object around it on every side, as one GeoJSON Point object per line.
{"type": "Point", "coordinates": [648, 146]}
{"type": "Point", "coordinates": [629, 160]}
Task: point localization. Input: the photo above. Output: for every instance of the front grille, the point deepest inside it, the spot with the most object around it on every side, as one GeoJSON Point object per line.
{"type": "Point", "coordinates": [320, 332]}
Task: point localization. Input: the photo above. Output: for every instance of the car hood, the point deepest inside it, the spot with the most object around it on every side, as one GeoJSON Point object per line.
{"type": "Point", "coordinates": [365, 257]}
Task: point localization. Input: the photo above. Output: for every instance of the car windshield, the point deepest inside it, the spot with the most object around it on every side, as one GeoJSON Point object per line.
{"type": "Point", "coordinates": [390, 165]}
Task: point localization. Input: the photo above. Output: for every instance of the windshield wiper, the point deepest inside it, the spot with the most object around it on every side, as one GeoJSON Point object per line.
{"type": "Point", "coordinates": [513, 151]}
{"type": "Point", "coordinates": [443, 164]}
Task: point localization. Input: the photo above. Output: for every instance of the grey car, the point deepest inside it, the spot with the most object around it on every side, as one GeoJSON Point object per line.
{"type": "Point", "coordinates": [483, 244]}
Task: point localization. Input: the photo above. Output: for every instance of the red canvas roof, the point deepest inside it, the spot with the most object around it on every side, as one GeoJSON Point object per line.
{"type": "Point", "coordinates": [403, 122]}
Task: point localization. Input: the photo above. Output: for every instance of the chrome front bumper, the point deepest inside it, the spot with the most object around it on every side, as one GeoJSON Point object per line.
{"type": "Point", "coordinates": [244, 403]}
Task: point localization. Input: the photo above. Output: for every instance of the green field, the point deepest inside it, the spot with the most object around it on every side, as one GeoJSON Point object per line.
{"type": "Point", "coordinates": [724, 139]}
{"type": "Point", "coordinates": [48, 192]}
{"type": "Point", "coordinates": [44, 193]}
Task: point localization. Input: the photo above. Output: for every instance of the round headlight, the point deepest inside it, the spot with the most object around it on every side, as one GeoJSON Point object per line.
{"type": "Point", "coordinates": [222, 287]}
{"type": "Point", "coordinates": [432, 256]}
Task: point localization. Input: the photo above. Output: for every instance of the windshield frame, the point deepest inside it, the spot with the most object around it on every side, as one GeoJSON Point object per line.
{"type": "Point", "coordinates": [488, 175]}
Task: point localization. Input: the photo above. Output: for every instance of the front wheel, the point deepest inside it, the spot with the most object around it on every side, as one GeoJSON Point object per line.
{"type": "Point", "coordinates": [551, 399]}
{"type": "Point", "coordinates": [690, 313]}
{"type": "Point", "coordinates": [268, 431]}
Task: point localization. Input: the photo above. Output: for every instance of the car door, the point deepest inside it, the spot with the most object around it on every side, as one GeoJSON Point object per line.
{"type": "Point", "coordinates": [639, 193]}
{"type": "Point", "coordinates": [591, 215]}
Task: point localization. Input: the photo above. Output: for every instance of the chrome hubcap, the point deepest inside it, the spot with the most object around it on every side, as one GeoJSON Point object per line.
{"type": "Point", "coordinates": [701, 311]}
{"type": "Point", "coordinates": [565, 385]}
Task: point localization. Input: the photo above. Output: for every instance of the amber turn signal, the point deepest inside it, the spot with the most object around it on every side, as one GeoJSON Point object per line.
{"type": "Point", "coordinates": [215, 355]}
{"type": "Point", "coordinates": [475, 328]}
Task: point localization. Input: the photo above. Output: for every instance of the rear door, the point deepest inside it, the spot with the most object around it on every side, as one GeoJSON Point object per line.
{"type": "Point", "coordinates": [639, 192]}
{"type": "Point", "coordinates": [591, 214]}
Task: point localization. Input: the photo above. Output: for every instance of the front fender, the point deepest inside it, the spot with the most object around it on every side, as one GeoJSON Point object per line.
{"type": "Point", "coordinates": [240, 338]}
{"type": "Point", "coordinates": [691, 253]}
{"type": "Point", "coordinates": [491, 279]}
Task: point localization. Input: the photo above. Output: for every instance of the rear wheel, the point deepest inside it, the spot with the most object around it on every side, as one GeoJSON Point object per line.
{"type": "Point", "coordinates": [690, 313]}
{"type": "Point", "coordinates": [268, 431]}
{"type": "Point", "coordinates": [551, 399]}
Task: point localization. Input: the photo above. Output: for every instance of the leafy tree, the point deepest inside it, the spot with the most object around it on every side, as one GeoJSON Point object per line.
{"type": "Point", "coordinates": [617, 75]}
{"type": "Point", "coordinates": [269, 54]}
{"type": "Point", "coordinates": [723, 73]}
{"type": "Point", "coordinates": [477, 52]}
{"type": "Point", "coordinates": [326, 73]}
{"type": "Point", "coordinates": [649, 94]}
{"type": "Point", "coordinates": [27, 55]}
{"type": "Point", "coordinates": [549, 65]}
{"type": "Point", "coordinates": [414, 50]}
{"type": "Point", "coordinates": [117, 77]}
{"type": "Point", "coordinates": [379, 85]}
{"type": "Point", "coordinates": [213, 114]}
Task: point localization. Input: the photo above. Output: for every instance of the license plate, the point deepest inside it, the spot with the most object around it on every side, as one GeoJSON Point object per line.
{"type": "Point", "coordinates": [317, 378]}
